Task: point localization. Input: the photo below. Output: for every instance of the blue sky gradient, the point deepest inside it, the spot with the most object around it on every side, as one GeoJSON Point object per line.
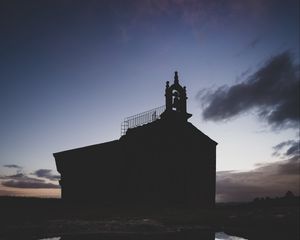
{"type": "Point", "coordinates": [71, 71]}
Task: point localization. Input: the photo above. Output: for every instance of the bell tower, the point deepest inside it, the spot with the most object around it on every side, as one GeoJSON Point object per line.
{"type": "Point", "coordinates": [175, 100]}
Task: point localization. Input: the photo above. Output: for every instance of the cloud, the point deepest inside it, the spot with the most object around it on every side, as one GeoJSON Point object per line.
{"type": "Point", "coordinates": [15, 176]}
{"type": "Point", "coordinates": [195, 11]}
{"type": "Point", "coordinates": [291, 167]}
{"type": "Point", "coordinates": [272, 91]}
{"type": "Point", "coordinates": [273, 179]}
{"type": "Point", "coordinates": [12, 166]}
{"type": "Point", "coordinates": [292, 148]}
{"type": "Point", "coordinates": [28, 184]}
{"type": "Point", "coordinates": [279, 146]}
{"type": "Point", "coordinates": [46, 173]}
{"type": "Point", "coordinates": [249, 47]}
{"type": "Point", "coordinates": [21, 180]}
{"type": "Point", "coordinates": [195, 14]}
{"type": "Point", "coordinates": [254, 43]}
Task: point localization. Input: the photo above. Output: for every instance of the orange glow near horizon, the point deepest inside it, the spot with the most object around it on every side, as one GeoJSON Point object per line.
{"type": "Point", "coordinates": [19, 192]}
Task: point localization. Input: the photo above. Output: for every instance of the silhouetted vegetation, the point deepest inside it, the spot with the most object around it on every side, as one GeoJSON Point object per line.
{"type": "Point", "coordinates": [288, 199]}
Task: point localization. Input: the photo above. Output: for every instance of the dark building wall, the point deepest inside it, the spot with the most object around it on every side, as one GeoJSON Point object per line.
{"type": "Point", "coordinates": [89, 173]}
{"type": "Point", "coordinates": [173, 163]}
{"type": "Point", "coordinates": [162, 162]}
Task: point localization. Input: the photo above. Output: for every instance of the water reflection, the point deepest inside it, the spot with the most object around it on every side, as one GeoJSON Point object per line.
{"type": "Point", "coordinates": [54, 238]}
{"type": "Point", "coordinates": [224, 236]}
{"type": "Point", "coordinates": [182, 235]}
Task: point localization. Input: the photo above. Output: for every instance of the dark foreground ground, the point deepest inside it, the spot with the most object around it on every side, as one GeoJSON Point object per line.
{"type": "Point", "coordinates": [31, 218]}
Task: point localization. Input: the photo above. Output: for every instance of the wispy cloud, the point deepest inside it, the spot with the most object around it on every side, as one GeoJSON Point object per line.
{"type": "Point", "coordinates": [250, 46]}
{"type": "Point", "coordinates": [193, 13]}
{"type": "Point", "coordinates": [12, 166]}
{"type": "Point", "coordinates": [291, 148]}
{"type": "Point", "coordinates": [46, 173]}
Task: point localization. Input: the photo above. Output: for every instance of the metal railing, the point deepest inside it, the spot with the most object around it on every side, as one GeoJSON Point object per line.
{"type": "Point", "coordinates": [141, 119]}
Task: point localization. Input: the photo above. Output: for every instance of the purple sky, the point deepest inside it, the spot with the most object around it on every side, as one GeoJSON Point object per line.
{"type": "Point", "coordinates": [71, 71]}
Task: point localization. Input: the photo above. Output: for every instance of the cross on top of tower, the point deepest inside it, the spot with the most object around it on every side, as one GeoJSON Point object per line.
{"type": "Point", "coordinates": [176, 81]}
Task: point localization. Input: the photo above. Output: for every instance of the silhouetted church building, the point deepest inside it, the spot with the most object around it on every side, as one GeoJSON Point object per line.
{"type": "Point", "coordinates": [160, 158]}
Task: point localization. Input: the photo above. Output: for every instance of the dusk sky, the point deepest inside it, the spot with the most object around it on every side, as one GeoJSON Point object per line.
{"type": "Point", "coordinates": [71, 71]}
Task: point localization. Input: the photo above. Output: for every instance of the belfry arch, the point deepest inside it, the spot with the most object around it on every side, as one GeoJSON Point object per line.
{"type": "Point", "coordinates": [176, 99]}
